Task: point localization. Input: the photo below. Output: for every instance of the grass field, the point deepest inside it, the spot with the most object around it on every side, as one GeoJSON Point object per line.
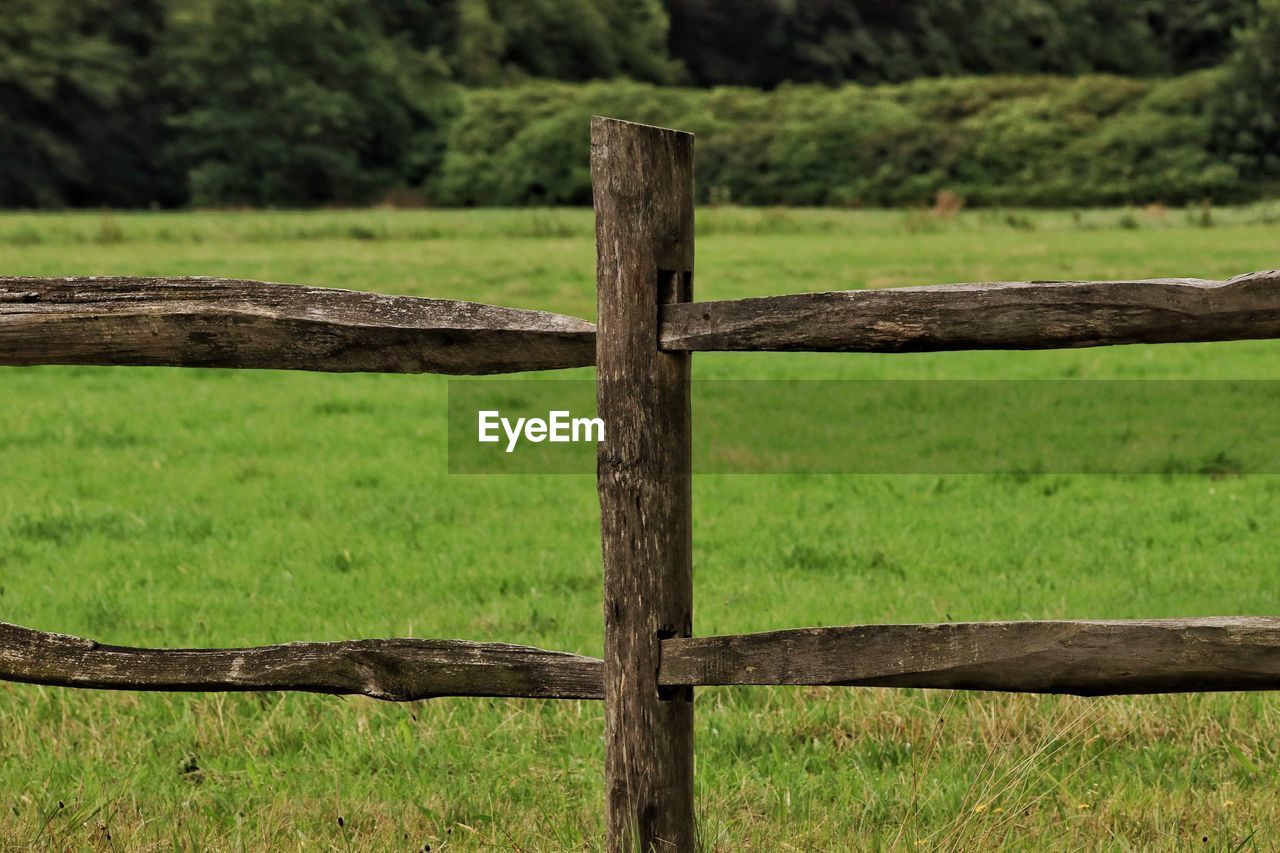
{"type": "Point", "coordinates": [166, 507]}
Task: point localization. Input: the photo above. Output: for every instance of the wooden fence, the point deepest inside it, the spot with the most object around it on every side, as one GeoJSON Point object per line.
{"type": "Point", "coordinates": [648, 327]}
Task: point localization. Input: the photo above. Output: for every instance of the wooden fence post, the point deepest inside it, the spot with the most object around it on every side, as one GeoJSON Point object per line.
{"type": "Point", "coordinates": [642, 180]}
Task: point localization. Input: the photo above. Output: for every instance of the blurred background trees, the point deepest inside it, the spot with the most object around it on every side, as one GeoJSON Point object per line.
{"type": "Point", "coordinates": [1248, 117]}
{"type": "Point", "coordinates": [302, 103]}
{"type": "Point", "coordinates": [130, 103]}
{"type": "Point", "coordinates": [768, 42]}
{"type": "Point", "coordinates": [82, 119]}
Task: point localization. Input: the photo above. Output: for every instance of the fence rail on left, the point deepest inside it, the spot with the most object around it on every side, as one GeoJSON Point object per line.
{"type": "Point", "coordinates": [209, 322]}
{"type": "Point", "coordinates": [401, 670]}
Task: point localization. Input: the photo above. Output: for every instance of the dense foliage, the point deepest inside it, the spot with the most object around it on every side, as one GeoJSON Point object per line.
{"type": "Point", "coordinates": [301, 102]}
{"type": "Point", "coordinates": [297, 103]}
{"type": "Point", "coordinates": [81, 119]}
{"type": "Point", "coordinates": [497, 40]}
{"type": "Point", "coordinates": [767, 42]}
{"type": "Point", "coordinates": [1248, 120]}
{"type": "Point", "coordinates": [998, 140]}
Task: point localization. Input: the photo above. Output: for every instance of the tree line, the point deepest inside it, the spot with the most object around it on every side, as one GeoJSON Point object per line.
{"type": "Point", "coordinates": [132, 103]}
{"type": "Point", "coordinates": [768, 42]}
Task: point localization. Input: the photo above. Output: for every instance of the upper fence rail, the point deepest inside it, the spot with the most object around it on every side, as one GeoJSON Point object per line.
{"type": "Point", "coordinates": [207, 322]}
{"type": "Point", "coordinates": [1002, 315]}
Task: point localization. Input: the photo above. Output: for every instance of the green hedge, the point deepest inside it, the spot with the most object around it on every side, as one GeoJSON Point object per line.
{"type": "Point", "coordinates": [1036, 141]}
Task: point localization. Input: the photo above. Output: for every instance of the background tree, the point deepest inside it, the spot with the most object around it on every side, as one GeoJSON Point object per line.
{"type": "Point", "coordinates": [767, 42]}
{"type": "Point", "coordinates": [298, 102]}
{"type": "Point", "coordinates": [1247, 120]}
{"type": "Point", "coordinates": [129, 103]}
{"type": "Point", "coordinates": [576, 40]}
{"type": "Point", "coordinates": [81, 119]}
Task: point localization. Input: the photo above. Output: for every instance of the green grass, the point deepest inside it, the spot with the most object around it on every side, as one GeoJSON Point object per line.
{"type": "Point", "coordinates": [166, 507]}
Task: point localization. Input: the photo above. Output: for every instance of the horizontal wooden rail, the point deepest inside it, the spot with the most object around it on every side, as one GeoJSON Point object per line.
{"type": "Point", "coordinates": [206, 322]}
{"type": "Point", "coordinates": [394, 670]}
{"type": "Point", "coordinates": [1006, 315]}
{"type": "Point", "coordinates": [1082, 658]}
{"type": "Point", "coordinates": [1086, 658]}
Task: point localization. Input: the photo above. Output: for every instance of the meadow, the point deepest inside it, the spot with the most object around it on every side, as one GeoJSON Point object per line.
{"type": "Point", "coordinates": [202, 507]}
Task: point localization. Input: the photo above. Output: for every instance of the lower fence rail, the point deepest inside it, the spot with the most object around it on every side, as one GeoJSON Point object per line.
{"type": "Point", "coordinates": [393, 670]}
{"type": "Point", "coordinates": [1086, 658]}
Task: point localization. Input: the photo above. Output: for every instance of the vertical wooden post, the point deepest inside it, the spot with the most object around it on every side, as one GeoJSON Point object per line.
{"type": "Point", "coordinates": [642, 179]}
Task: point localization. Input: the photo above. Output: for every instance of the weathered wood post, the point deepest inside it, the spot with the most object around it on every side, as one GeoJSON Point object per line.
{"type": "Point", "coordinates": [642, 180]}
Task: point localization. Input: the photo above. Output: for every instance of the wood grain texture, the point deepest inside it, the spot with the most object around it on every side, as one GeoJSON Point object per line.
{"type": "Point", "coordinates": [1004, 315]}
{"type": "Point", "coordinates": [643, 186]}
{"type": "Point", "coordinates": [1084, 658]}
{"type": "Point", "coordinates": [393, 670]}
{"type": "Point", "coordinates": [205, 322]}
